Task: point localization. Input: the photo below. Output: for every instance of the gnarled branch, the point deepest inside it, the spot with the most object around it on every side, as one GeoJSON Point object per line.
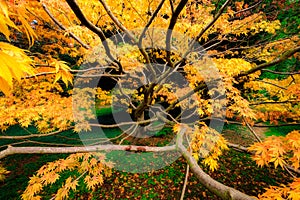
{"type": "Point", "coordinates": [214, 186]}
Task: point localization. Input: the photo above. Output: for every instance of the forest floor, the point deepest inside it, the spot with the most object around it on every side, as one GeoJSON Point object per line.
{"type": "Point", "coordinates": [236, 170]}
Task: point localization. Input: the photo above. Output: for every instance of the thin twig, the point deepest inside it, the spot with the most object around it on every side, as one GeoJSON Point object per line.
{"type": "Point", "coordinates": [60, 25]}
{"type": "Point", "coordinates": [252, 131]}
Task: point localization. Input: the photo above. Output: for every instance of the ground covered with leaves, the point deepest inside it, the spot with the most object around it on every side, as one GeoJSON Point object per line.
{"type": "Point", "coordinates": [236, 170]}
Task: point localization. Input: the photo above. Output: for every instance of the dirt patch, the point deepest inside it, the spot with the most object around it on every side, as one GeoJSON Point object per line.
{"type": "Point", "coordinates": [243, 136]}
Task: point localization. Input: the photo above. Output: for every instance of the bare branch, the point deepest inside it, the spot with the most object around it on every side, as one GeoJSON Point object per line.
{"type": "Point", "coordinates": [283, 57]}
{"type": "Point", "coordinates": [185, 181]}
{"type": "Point", "coordinates": [252, 131]}
{"type": "Point", "coordinates": [272, 84]}
{"type": "Point", "coordinates": [140, 45]}
{"type": "Point", "coordinates": [130, 35]}
{"type": "Point", "coordinates": [173, 21]}
{"type": "Point", "coordinates": [281, 73]}
{"type": "Point", "coordinates": [63, 28]}
{"type": "Point", "coordinates": [273, 102]}
{"type": "Point", "coordinates": [82, 149]}
{"type": "Point", "coordinates": [244, 10]}
{"type": "Point", "coordinates": [276, 125]}
{"type": "Point", "coordinates": [116, 21]}
{"type": "Point", "coordinates": [249, 8]}
{"type": "Point", "coordinates": [21, 137]}
{"type": "Point", "coordinates": [74, 6]}
{"type": "Point", "coordinates": [192, 43]}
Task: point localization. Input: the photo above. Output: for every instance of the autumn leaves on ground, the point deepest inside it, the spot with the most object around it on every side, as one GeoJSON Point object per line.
{"type": "Point", "coordinates": [191, 99]}
{"type": "Point", "coordinates": [236, 169]}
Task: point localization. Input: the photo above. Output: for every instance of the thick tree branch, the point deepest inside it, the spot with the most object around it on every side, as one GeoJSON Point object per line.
{"type": "Point", "coordinates": [83, 149]}
{"type": "Point", "coordinates": [172, 24]}
{"type": "Point", "coordinates": [78, 12]}
{"type": "Point", "coordinates": [283, 57]}
{"type": "Point", "coordinates": [281, 73]}
{"type": "Point", "coordinates": [214, 186]}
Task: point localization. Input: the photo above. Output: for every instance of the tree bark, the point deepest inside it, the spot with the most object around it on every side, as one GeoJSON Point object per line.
{"type": "Point", "coordinates": [214, 186]}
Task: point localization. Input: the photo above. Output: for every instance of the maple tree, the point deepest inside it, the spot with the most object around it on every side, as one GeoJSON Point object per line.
{"type": "Point", "coordinates": [188, 65]}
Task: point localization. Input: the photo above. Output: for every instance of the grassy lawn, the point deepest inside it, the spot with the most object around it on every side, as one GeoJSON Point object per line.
{"type": "Point", "coordinates": [281, 130]}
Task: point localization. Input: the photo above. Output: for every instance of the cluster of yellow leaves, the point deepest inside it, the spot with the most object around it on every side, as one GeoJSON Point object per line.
{"type": "Point", "coordinates": [278, 150]}
{"type": "Point", "coordinates": [83, 108]}
{"type": "Point", "coordinates": [288, 91]}
{"type": "Point", "coordinates": [55, 41]}
{"type": "Point", "coordinates": [271, 86]}
{"type": "Point", "coordinates": [206, 144]}
{"type": "Point", "coordinates": [90, 167]}
{"type": "Point", "coordinates": [252, 24]}
{"type": "Point", "coordinates": [272, 50]}
{"type": "Point", "coordinates": [104, 97]}
{"type": "Point", "coordinates": [38, 104]}
{"type": "Point", "coordinates": [133, 15]}
{"type": "Point", "coordinates": [3, 172]}
{"type": "Point", "coordinates": [5, 21]}
{"type": "Point", "coordinates": [167, 93]}
{"type": "Point", "coordinates": [62, 71]}
{"type": "Point", "coordinates": [11, 56]}
{"type": "Point", "coordinates": [237, 105]}
{"type": "Point", "coordinates": [203, 69]}
{"type": "Point", "coordinates": [193, 75]}
{"type": "Point", "coordinates": [292, 191]}
{"type": "Point", "coordinates": [234, 66]}
{"type": "Point", "coordinates": [196, 16]}
{"type": "Point", "coordinates": [278, 113]}
{"type": "Point", "coordinates": [21, 14]}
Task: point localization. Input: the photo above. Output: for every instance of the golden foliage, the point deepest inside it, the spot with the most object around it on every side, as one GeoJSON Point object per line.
{"type": "Point", "coordinates": [36, 103]}
{"type": "Point", "coordinates": [92, 167]}
{"type": "Point", "coordinates": [278, 150]}
{"type": "Point", "coordinates": [206, 144]}
{"type": "Point", "coordinates": [3, 173]}
{"type": "Point", "coordinates": [291, 191]}
{"type": "Point", "coordinates": [11, 56]}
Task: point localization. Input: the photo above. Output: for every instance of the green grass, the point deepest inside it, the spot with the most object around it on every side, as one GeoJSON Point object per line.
{"type": "Point", "coordinates": [281, 130]}
{"type": "Point", "coordinates": [107, 110]}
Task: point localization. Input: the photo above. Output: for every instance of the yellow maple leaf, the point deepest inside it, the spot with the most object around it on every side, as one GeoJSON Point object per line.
{"type": "Point", "coordinates": [14, 65]}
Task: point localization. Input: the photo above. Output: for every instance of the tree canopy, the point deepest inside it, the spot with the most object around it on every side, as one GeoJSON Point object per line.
{"type": "Point", "coordinates": [184, 67]}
